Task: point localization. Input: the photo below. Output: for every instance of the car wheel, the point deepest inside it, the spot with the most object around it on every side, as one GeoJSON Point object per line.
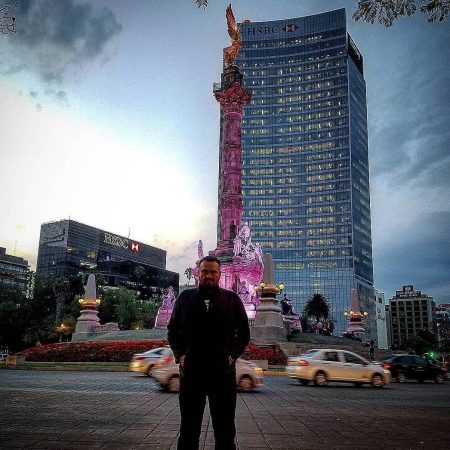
{"type": "Point", "coordinates": [401, 378]}
{"type": "Point", "coordinates": [320, 379]}
{"type": "Point", "coordinates": [149, 371]}
{"type": "Point", "coordinates": [174, 384]}
{"type": "Point", "coordinates": [245, 384]}
{"type": "Point", "coordinates": [377, 380]}
{"type": "Point", "coordinates": [439, 379]}
{"type": "Point", "coordinates": [304, 382]}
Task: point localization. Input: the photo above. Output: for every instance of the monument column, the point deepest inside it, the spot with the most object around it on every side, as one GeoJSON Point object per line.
{"type": "Point", "coordinates": [232, 98]}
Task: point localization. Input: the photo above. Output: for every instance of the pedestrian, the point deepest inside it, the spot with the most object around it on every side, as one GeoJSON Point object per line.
{"type": "Point", "coordinates": [208, 331]}
{"type": "Point", "coordinates": [372, 349]}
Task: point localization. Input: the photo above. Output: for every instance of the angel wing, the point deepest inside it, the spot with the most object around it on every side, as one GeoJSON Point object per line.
{"type": "Point", "coordinates": [231, 22]}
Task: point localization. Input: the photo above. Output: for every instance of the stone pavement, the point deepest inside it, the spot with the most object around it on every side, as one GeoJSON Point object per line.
{"type": "Point", "coordinates": [116, 410]}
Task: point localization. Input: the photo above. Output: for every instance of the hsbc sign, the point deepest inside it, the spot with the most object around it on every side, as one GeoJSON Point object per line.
{"type": "Point", "coordinates": [288, 28]}
{"type": "Point", "coordinates": [121, 242]}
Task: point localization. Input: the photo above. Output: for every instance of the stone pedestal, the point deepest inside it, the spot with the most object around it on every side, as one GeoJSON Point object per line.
{"type": "Point", "coordinates": [268, 327]}
{"type": "Point", "coordinates": [162, 318]}
{"type": "Point", "coordinates": [88, 324]}
{"type": "Point", "coordinates": [355, 317]}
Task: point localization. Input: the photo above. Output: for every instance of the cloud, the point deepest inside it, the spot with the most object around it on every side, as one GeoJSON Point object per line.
{"type": "Point", "coordinates": [53, 37]}
{"type": "Point", "coordinates": [418, 254]}
{"type": "Point", "coordinates": [410, 127]}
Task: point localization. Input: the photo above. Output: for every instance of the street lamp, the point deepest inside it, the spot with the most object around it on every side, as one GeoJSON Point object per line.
{"type": "Point", "coordinates": [61, 329]}
{"type": "Point", "coordinates": [261, 286]}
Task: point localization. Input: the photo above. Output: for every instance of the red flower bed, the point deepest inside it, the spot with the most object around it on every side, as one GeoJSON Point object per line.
{"type": "Point", "coordinates": [122, 351]}
{"type": "Point", "coordinates": [273, 354]}
{"type": "Point", "coordinates": [95, 351]}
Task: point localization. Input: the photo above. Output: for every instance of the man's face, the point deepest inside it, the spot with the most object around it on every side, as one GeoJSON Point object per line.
{"type": "Point", "coordinates": [209, 274]}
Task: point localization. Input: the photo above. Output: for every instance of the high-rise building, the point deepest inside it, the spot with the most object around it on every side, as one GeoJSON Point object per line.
{"type": "Point", "coordinates": [409, 312]}
{"type": "Point", "coordinates": [69, 248]}
{"type": "Point", "coordinates": [305, 159]}
{"type": "Point", "coordinates": [13, 270]}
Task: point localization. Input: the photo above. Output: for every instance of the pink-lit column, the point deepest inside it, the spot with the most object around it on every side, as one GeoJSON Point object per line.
{"type": "Point", "coordinates": [232, 98]}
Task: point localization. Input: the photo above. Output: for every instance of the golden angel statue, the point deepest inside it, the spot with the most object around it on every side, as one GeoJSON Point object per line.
{"type": "Point", "coordinates": [230, 53]}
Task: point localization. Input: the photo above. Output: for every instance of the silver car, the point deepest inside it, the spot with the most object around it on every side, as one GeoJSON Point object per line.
{"type": "Point", "coordinates": [330, 364]}
{"type": "Point", "coordinates": [248, 375]}
{"type": "Point", "coordinates": [144, 362]}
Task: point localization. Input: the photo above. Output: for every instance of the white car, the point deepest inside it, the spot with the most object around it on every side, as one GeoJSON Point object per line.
{"type": "Point", "coordinates": [248, 375]}
{"type": "Point", "coordinates": [330, 364]}
{"type": "Point", "coordinates": [144, 362]}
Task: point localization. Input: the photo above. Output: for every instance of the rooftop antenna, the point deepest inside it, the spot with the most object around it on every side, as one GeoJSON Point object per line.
{"type": "Point", "coordinates": [15, 247]}
{"type": "Point", "coordinates": [128, 232]}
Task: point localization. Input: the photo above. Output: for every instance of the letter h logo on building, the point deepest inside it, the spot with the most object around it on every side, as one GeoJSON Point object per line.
{"type": "Point", "coordinates": [134, 247]}
{"type": "Point", "coordinates": [290, 27]}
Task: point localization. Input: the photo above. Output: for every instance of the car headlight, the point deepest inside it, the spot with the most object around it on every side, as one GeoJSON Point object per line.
{"type": "Point", "coordinates": [258, 369]}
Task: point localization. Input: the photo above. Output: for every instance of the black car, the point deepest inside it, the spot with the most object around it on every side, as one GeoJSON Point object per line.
{"type": "Point", "coordinates": [412, 367]}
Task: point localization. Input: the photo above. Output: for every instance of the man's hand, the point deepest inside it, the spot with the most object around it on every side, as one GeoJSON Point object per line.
{"type": "Point", "coordinates": [182, 361]}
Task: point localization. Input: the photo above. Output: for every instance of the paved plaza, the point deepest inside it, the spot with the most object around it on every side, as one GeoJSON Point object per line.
{"type": "Point", "coordinates": [120, 410]}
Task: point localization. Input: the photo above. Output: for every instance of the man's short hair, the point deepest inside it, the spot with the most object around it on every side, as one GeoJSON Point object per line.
{"type": "Point", "coordinates": [209, 258]}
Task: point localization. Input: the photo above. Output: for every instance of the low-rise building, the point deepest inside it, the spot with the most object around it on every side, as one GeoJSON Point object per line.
{"type": "Point", "coordinates": [410, 311]}
{"type": "Point", "coordinates": [13, 270]}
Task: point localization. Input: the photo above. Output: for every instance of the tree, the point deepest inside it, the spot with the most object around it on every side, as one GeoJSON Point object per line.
{"type": "Point", "coordinates": [107, 311]}
{"type": "Point", "coordinates": [423, 342]}
{"type": "Point", "coordinates": [149, 310]}
{"type": "Point", "coordinates": [317, 306]}
{"type": "Point", "coordinates": [65, 289]}
{"type": "Point", "coordinates": [61, 291]}
{"type": "Point", "coordinates": [12, 316]}
{"type": "Point", "coordinates": [388, 11]}
{"type": "Point", "coordinates": [121, 306]}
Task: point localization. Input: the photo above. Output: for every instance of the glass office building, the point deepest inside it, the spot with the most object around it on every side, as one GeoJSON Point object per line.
{"type": "Point", "coordinates": [305, 158]}
{"type": "Point", "coordinates": [69, 248]}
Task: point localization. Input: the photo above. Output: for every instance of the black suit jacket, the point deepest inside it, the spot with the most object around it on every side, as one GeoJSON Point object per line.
{"type": "Point", "coordinates": [208, 335]}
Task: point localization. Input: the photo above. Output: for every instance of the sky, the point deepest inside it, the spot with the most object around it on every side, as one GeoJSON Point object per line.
{"type": "Point", "coordinates": [107, 117]}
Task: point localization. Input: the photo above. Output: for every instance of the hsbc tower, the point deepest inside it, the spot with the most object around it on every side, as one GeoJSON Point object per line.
{"type": "Point", "coordinates": [305, 161]}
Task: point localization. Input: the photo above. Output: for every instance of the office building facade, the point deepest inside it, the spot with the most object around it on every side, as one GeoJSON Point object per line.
{"type": "Point", "coordinates": [13, 270]}
{"type": "Point", "coordinates": [69, 248]}
{"type": "Point", "coordinates": [305, 159]}
{"type": "Point", "coordinates": [409, 312]}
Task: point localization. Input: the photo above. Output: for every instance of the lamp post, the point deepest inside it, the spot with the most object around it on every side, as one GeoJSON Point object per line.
{"type": "Point", "coordinates": [61, 329]}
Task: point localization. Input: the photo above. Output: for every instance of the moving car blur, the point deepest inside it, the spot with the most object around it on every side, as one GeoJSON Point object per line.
{"type": "Point", "coordinates": [144, 362]}
{"type": "Point", "coordinates": [324, 365]}
{"type": "Point", "coordinates": [248, 375]}
{"type": "Point", "coordinates": [412, 367]}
